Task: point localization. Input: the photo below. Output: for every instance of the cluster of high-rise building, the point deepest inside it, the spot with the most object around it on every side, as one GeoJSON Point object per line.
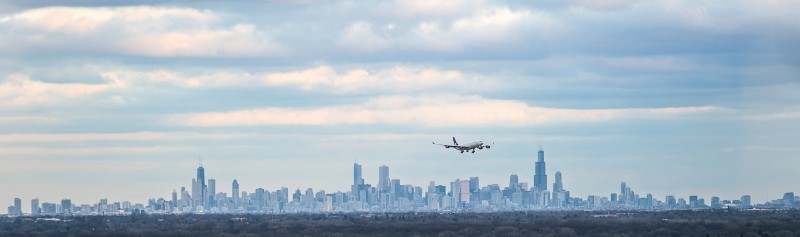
{"type": "Point", "coordinates": [390, 195]}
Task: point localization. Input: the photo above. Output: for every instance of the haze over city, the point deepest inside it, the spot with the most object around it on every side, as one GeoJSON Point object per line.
{"type": "Point", "coordinates": [121, 101]}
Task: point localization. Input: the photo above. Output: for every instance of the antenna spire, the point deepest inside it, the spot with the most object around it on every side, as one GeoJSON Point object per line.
{"type": "Point", "coordinates": [200, 160]}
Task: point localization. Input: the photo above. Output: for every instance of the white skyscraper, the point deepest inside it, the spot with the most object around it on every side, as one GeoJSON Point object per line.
{"type": "Point", "coordinates": [463, 191]}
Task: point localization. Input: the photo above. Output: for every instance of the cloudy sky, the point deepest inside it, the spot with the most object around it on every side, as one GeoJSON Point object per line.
{"type": "Point", "coordinates": [674, 97]}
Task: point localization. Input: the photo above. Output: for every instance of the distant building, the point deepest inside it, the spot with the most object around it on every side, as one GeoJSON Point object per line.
{"type": "Point", "coordinates": [66, 206]}
{"type": "Point", "coordinates": [358, 181]}
{"type": "Point", "coordinates": [35, 210]}
{"type": "Point", "coordinates": [201, 185]}
{"type": "Point", "coordinates": [174, 198]}
{"type": "Point", "coordinates": [474, 184]}
{"type": "Point", "coordinates": [383, 178]}
{"type": "Point", "coordinates": [560, 196]}
{"type": "Point", "coordinates": [788, 199]}
{"type": "Point", "coordinates": [540, 175]}
{"type": "Point", "coordinates": [235, 193]}
{"type": "Point", "coordinates": [715, 202]}
{"type": "Point", "coordinates": [558, 186]}
{"type": "Point", "coordinates": [396, 189]}
{"type": "Point", "coordinates": [671, 202]}
{"type": "Point", "coordinates": [17, 206]}
{"type": "Point", "coordinates": [513, 182]}
{"type": "Point", "coordinates": [745, 200]}
{"type": "Point", "coordinates": [211, 191]}
{"type": "Point", "coordinates": [462, 192]}
{"type": "Point", "coordinates": [693, 201]}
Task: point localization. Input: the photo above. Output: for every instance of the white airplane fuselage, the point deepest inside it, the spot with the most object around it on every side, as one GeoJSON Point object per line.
{"type": "Point", "coordinates": [470, 146]}
{"type": "Point", "coordinates": [466, 147]}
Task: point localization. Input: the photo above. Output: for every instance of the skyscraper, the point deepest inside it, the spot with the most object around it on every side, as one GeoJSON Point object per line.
{"type": "Point", "coordinates": [513, 182]}
{"type": "Point", "coordinates": [35, 207]}
{"type": "Point", "coordinates": [18, 206]}
{"type": "Point", "coordinates": [357, 175]}
{"type": "Point", "coordinates": [358, 180]}
{"type": "Point", "coordinates": [540, 176]}
{"type": "Point", "coordinates": [383, 178]}
{"type": "Point", "coordinates": [195, 192]}
{"type": "Point", "coordinates": [558, 186]}
{"type": "Point", "coordinates": [474, 184]}
{"type": "Point", "coordinates": [212, 191]}
{"type": "Point", "coordinates": [201, 185]}
{"type": "Point", "coordinates": [174, 198]}
{"type": "Point", "coordinates": [463, 192]}
{"type": "Point", "coordinates": [235, 193]}
{"type": "Point", "coordinates": [623, 192]}
{"type": "Point", "coordinates": [66, 206]}
{"type": "Point", "coordinates": [745, 200]}
{"type": "Point", "coordinates": [788, 199]}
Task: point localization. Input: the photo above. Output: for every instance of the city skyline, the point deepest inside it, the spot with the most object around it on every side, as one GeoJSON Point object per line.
{"type": "Point", "coordinates": [118, 99]}
{"type": "Point", "coordinates": [385, 194]}
{"type": "Point", "coordinates": [463, 195]}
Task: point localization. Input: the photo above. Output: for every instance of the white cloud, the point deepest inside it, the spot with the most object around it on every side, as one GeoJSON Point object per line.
{"type": "Point", "coordinates": [27, 119]}
{"type": "Point", "coordinates": [502, 24]}
{"type": "Point", "coordinates": [212, 80]}
{"type": "Point", "coordinates": [658, 63]}
{"type": "Point", "coordinates": [603, 4]}
{"type": "Point", "coordinates": [324, 78]}
{"type": "Point", "coordinates": [135, 136]}
{"type": "Point", "coordinates": [396, 79]}
{"type": "Point", "coordinates": [19, 90]}
{"type": "Point", "coordinates": [85, 20]}
{"type": "Point", "coordinates": [431, 111]}
{"type": "Point", "coordinates": [425, 8]}
{"type": "Point", "coordinates": [791, 115]}
{"type": "Point", "coordinates": [146, 31]}
{"type": "Point", "coordinates": [492, 25]}
{"type": "Point", "coordinates": [362, 37]}
{"type": "Point", "coordinates": [83, 151]}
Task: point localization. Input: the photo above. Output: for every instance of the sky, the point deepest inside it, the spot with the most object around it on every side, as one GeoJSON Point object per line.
{"type": "Point", "coordinates": [121, 99]}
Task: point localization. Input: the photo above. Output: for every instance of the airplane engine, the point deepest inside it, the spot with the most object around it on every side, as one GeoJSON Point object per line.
{"type": "Point", "coordinates": [487, 147]}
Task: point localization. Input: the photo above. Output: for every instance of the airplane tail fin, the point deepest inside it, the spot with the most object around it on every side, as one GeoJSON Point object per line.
{"type": "Point", "coordinates": [454, 141]}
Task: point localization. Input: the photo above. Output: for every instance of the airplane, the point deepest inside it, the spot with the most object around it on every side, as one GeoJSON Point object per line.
{"type": "Point", "coordinates": [466, 147]}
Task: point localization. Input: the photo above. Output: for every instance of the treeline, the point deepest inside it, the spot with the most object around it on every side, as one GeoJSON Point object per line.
{"type": "Point", "coordinates": [534, 223]}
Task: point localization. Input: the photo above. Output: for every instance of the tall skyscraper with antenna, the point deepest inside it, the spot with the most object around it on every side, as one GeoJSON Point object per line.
{"type": "Point", "coordinates": [540, 175]}
{"type": "Point", "coordinates": [358, 181]}
{"type": "Point", "coordinates": [201, 185]}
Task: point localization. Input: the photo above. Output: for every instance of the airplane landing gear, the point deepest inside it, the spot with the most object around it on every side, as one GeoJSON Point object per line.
{"type": "Point", "coordinates": [473, 150]}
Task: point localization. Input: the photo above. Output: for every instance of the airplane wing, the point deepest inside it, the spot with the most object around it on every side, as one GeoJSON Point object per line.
{"type": "Point", "coordinates": [448, 146]}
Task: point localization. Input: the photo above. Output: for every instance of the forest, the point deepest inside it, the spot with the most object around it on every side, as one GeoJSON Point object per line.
{"type": "Point", "coordinates": [531, 223]}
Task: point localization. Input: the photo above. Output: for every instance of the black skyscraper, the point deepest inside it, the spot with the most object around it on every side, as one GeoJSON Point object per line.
{"type": "Point", "coordinates": [201, 181]}
{"type": "Point", "coordinates": [540, 177]}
